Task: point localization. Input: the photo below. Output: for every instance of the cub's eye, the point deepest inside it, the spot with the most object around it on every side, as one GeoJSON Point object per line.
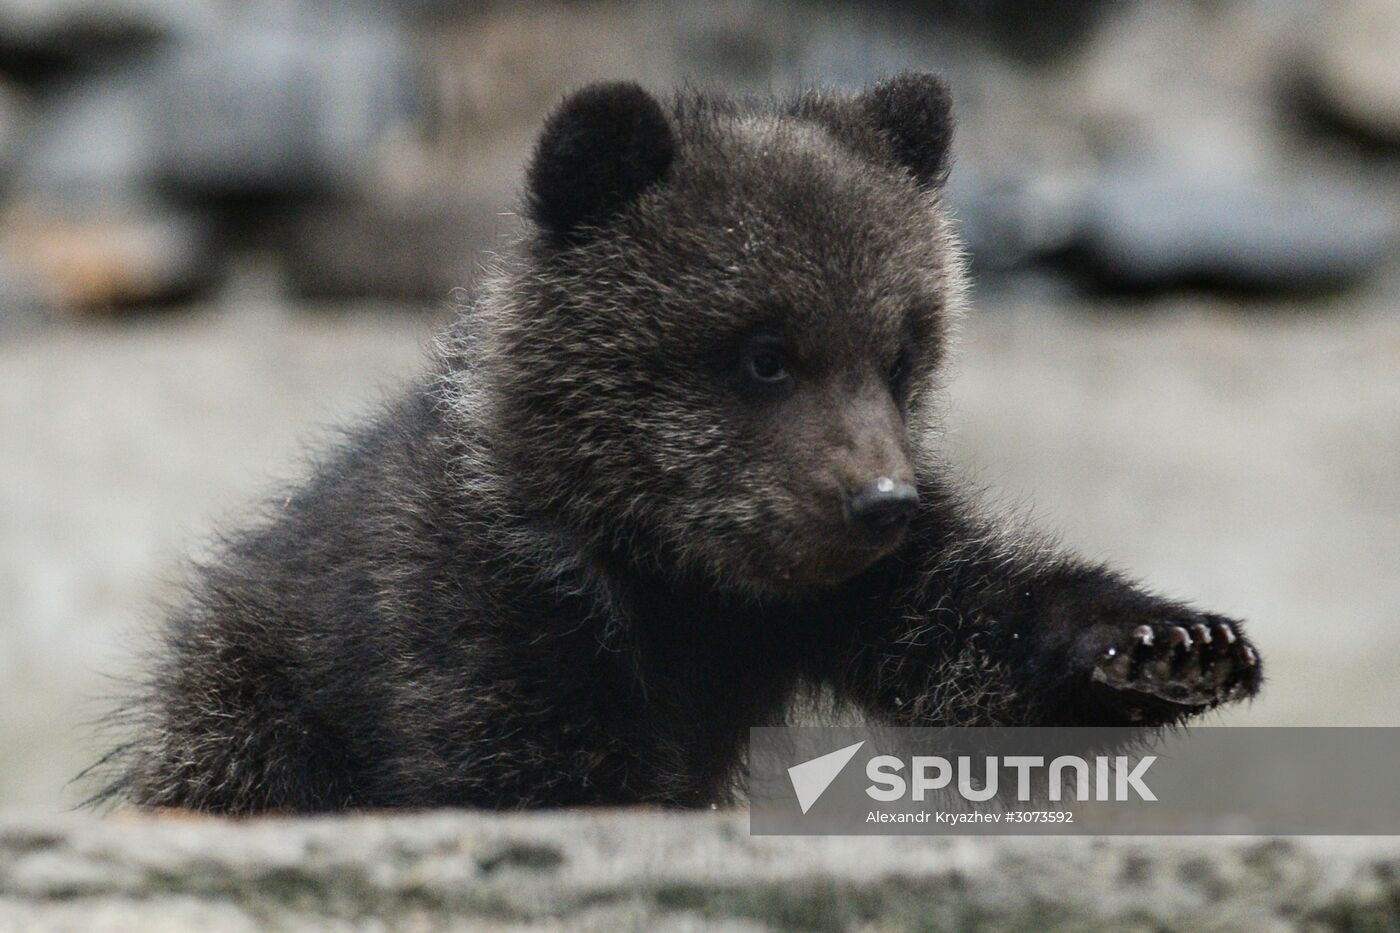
{"type": "Point", "coordinates": [768, 366]}
{"type": "Point", "coordinates": [766, 363]}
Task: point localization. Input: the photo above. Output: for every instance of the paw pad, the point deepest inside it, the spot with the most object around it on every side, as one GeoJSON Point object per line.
{"type": "Point", "coordinates": [1194, 663]}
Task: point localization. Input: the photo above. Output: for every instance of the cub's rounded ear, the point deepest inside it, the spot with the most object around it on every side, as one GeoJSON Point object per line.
{"type": "Point", "coordinates": [599, 151]}
{"type": "Point", "coordinates": [914, 111]}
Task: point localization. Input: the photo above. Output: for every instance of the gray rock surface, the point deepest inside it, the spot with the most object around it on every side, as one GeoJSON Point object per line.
{"type": "Point", "coordinates": [610, 870]}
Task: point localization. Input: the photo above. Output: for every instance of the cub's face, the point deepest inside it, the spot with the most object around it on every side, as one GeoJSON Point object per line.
{"type": "Point", "coordinates": [719, 357]}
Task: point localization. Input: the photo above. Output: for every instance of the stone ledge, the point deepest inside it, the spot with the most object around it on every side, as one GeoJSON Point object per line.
{"type": "Point", "coordinates": [647, 870]}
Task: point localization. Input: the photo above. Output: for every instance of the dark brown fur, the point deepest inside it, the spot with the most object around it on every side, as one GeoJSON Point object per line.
{"type": "Point", "coordinates": [592, 548]}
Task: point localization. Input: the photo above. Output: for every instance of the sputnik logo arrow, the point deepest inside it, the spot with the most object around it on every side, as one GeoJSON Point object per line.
{"type": "Point", "coordinates": [811, 778]}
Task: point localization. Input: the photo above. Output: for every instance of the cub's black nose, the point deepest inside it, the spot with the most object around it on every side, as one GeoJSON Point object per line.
{"type": "Point", "coordinates": [882, 509]}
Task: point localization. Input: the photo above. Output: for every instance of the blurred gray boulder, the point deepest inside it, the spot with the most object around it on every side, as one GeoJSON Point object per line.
{"type": "Point", "coordinates": [90, 138]}
{"type": "Point", "coordinates": [1197, 181]}
{"type": "Point", "coordinates": [124, 175]}
{"type": "Point", "coordinates": [261, 100]}
{"type": "Point", "coordinates": [1011, 218]}
{"type": "Point", "coordinates": [1356, 65]}
{"type": "Point", "coordinates": [1148, 224]}
{"type": "Point", "coordinates": [41, 35]}
{"type": "Point", "coordinates": [84, 222]}
{"type": "Point", "coordinates": [1019, 177]}
{"type": "Point", "coordinates": [280, 99]}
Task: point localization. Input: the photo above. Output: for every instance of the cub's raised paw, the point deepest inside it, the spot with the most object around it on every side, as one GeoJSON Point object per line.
{"type": "Point", "coordinates": [1195, 663]}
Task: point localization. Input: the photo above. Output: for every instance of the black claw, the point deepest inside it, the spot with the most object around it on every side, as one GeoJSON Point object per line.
{"type": "Point", "coordinates": [1178, 637]}
{"type": "Point", "coordinates": [1202, 632]}
{"type": "Point", "coordinates": [1143, 635]}
{"type": "Point", "coordinates": [1225, 633]}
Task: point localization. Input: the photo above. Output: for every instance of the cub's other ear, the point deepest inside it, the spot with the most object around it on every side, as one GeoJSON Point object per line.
{"type": "Point", "coordinates": [914, 111]}
{"type": "Point", "coordinates": [599, 151]}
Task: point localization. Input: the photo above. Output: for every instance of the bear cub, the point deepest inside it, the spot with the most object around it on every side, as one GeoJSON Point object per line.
{"type": "Point", "coordinates": [677, 464]}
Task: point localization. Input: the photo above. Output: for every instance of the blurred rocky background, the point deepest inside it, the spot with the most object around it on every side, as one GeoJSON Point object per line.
{"type": "Point", "coordinates": [364, 149]}
{"type": "Point", "coordinates": [225, 224]}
